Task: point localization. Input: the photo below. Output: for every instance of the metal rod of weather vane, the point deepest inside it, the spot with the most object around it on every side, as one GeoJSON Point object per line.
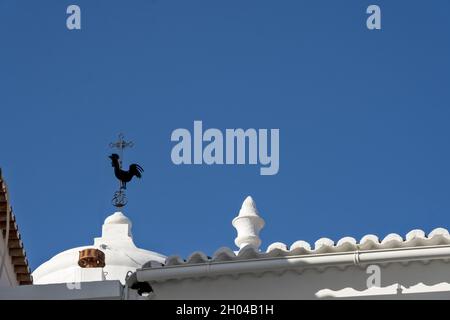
{"type": "Point", "coordinates": [121, 146]}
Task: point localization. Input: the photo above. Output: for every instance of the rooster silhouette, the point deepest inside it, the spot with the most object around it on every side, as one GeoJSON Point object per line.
{"type": "Point", "coordinates": [122, 175]}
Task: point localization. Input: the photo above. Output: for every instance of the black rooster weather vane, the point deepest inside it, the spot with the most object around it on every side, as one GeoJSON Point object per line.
{"type": "Point", "coordinates": [120, 200]}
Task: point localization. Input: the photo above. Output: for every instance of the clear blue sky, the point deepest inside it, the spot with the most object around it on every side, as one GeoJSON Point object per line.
{"type": "Point", "coordinates": [363, 117]}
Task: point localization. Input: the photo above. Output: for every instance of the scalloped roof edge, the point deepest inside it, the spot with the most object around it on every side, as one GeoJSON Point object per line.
{"type": "Point", "coordinates": [413, 239]}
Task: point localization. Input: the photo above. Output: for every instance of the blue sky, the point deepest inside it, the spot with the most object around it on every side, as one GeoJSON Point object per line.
{"type": "Point", "coordinates": [363, 118]}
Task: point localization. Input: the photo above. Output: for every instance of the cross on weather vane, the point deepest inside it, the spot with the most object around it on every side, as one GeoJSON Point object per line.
{"type": "Point", "coordinates": [120, 145]}
{"type": "Point", "coordinates": [119, 200]}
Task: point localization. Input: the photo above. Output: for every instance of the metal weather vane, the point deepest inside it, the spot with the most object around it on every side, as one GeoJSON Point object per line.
{"type": "Point", "coordinates": [119, 200]}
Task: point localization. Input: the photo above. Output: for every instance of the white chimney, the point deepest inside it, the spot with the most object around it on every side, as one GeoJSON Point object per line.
{"type": "Point", "coordinates": [248, 225]}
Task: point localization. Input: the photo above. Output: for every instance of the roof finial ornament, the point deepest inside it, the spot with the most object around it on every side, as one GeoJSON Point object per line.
{"type": "Point", "coordinates": [248, 225]}
{"type": "Point", "coordinates": [119, 200]}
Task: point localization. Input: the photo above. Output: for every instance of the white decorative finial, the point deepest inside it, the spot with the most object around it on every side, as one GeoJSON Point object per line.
{"type": "Point", "coordinates": [117, 226]}
{"type": "Point", "coordinates": [248, 225]}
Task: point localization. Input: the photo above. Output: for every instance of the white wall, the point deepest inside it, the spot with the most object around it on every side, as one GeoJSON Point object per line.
{"type": "Point", "coordinates": [100, 290]}
{"type": "Point", "coordinates": [306, 285]}
{"type": "Point", "coordinates": [8, 277]}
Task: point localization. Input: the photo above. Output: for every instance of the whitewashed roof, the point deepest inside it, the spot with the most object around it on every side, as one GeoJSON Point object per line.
{"type": "Point", "coordinates": [413, 239]}
{"type": "Point", "coordinates": [121, 257]}
{"type": "Point", "coordinates": [248, 224]}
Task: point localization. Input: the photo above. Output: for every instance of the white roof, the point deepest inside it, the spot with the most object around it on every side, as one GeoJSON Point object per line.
{"type": "Point", "coordinates": [248, 224]}
{"type": "Point", "coordinates": [121, 257]}
{"type": "Point", "coordinates": [413, 239]}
